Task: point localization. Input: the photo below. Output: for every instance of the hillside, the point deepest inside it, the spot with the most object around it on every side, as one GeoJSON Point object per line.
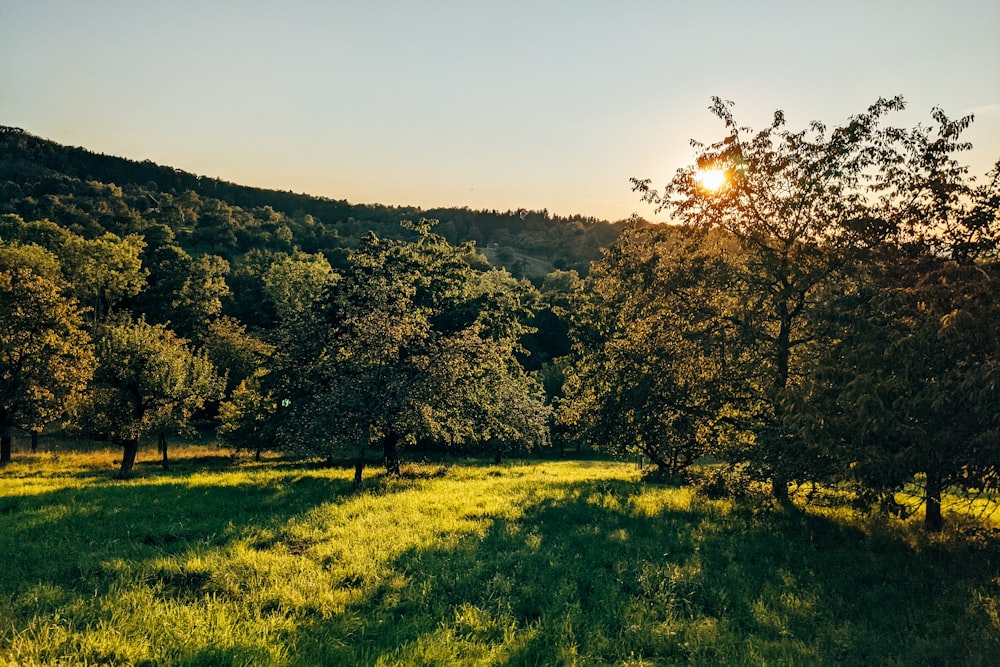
{"type": "Point", "coordinates": [90, 193]}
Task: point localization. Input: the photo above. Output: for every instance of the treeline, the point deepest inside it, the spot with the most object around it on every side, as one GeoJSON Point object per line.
{"type": "Point", "coordinates": [827, 316]}
{"type": "Point", "coordinates": [410, 341]}
{"type": "Point", "coordinates": [90, 193]}
{"type": "Point", "coordinates": [139, 309]}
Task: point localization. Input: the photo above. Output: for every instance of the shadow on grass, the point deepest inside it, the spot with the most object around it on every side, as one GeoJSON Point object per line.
{"type": "Point", "coordinates": [590, 579]}
{"type": "Point", "coordinates": [67, 534]}
{"type": "Point", "coordinates": [597, 572]}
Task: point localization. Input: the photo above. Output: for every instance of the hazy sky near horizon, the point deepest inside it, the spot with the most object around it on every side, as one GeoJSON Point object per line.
{"type": "Point", "coordinates": [482, 104]}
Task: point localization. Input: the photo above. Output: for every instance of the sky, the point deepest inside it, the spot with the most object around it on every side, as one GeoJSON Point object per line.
{"type": "Point", "coordinates": [491, 105]}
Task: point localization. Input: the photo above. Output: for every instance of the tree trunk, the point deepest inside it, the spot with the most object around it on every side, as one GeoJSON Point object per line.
{"type": "Point", "coordinates": [497, 455]}
{"type": "Point", "coordinates": [5, 444]}
{"type": "Point", "coordinates": [779, 480]}
{"type": "Point", "coordinates": [359, 466]}
{"type": "Point", "coordinates": [932, 497]}
{"type": "Point", "coordinates": [162, 441]}
{"type": "Point", "coordinates": [130, 449]}
{"type": "Point", "coordinates": [390, 453]}
{"type": "Point", "coordinates": [34, 442]}
{"type": "Point", "coordinates": [779, 488]}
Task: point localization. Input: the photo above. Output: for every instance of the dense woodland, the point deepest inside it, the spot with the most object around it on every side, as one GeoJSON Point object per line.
{"type": "Point", "coordinates": [828, 316]}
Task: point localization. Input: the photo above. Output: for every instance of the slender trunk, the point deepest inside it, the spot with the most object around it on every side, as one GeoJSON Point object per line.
{"type": "Point", "coordinates": [34, 442]}
{"type": "Point", "coordinates": [779, 488]}
{"type": "Point", "coordinates": [497, 455]}
{"type": "Point", "coordinates": [359, 462]}
{"type": "Point", "coordinates": [5, 444]}
{"type": "Point", "coordinates": [779, 477]}
{"type": "Point", "coordinates": [390, 453]}
{"type": "Point", "coordinates": [932, 497]}
{"type": "Point", "coordinates": [359, 465]}
{"type": "Point", "coordinates": [162, 441]}
{"type": "Point", "coordinates": [130, 449]}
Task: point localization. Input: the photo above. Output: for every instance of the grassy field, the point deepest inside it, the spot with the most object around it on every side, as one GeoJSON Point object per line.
{"type": "Point", "coordinates": [537, 563]}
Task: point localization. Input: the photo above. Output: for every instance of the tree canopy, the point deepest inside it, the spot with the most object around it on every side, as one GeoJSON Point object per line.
{"type": "Point", "coordinates": [45, 354]}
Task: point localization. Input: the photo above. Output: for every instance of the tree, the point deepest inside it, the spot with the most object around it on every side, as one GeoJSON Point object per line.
{"type": "Point", "coordinates": [147, 380]}
{"type": "Point", "coordinates": [198, 302]}
{"type": "Point", "coordinates": [248, 416]}
{"type": "Point", "coordinates": [651, 348]}
{"type": "Point", "coordinates": [490, 399]}
{"type": "Point", "coordinates": [910, 387]}
{"type": "Point", "coordinates": [45, 354]}
{"type": "Point", "coordinates": [104, 271]}
{"type": "Point", "coordinates": [391, 352]}
{"type": "Point", "coordinates": [234, 351]}
{"type": "Point", "coordinates": [293, 283]}
{"type": "Point", "coordinates": [792, 201]}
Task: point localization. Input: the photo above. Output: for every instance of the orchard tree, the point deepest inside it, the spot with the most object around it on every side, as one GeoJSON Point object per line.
{"type": "Point", "coordinates": [45, 355]}
{"type": "Point", "coordinates": [652, 346]}
{"type": "Point", "coordinates": [388, 355]}
{"type": "Point", "coordinates": [293, 283]}
{"type": "Point", "coordinates": [235, 351]}
{"type": "Point", "coordinates": [912, 386]}
{"type": "Point", "coordinates": [249, 416]}
{"type": "Point", "coordinates": [147, 381]}
{"type": "Point", "coordinates": [792, 201]}
{"type": "Point", "coordinates": [198, 301]}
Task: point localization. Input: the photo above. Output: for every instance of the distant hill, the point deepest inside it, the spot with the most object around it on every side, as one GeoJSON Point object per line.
{"type": "Point", "coordinates": [90, 193]}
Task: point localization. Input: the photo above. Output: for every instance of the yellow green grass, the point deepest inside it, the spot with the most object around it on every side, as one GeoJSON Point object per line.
{"type": "Point", "coordinates": [217, 562]}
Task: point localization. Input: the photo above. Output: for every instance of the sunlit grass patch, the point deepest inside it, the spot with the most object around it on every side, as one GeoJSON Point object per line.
{"type": "Point", "coordinates": [463, 562]}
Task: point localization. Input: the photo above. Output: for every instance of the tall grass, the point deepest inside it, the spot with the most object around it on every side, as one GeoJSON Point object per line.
{"type": "Point", "coordinates": [543, 563]}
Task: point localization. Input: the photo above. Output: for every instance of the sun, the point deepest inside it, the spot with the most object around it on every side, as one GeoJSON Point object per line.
{"type": "Point", "coordinates": [710, 179]}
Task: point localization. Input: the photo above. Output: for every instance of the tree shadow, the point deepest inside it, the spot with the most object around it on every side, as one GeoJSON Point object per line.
{"type": "Point", "coordinates": [596, 578]}
{"type": "Point", "coordinates": [598, 572]}
{"type": "Point", "coordinates": [69, 534]}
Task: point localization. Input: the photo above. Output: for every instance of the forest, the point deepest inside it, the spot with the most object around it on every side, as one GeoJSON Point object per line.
{"type": "Point", "coordinates": [818, 324]}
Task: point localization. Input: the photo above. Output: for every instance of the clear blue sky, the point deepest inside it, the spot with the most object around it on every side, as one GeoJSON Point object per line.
{"type": "Point", "coordinates": [482, 104]}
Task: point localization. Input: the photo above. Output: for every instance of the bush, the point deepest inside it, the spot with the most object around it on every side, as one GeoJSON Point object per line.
{"type": "Point", "coordinates": [716, 482]}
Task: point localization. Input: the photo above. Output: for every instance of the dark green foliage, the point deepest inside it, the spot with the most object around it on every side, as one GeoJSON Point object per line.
{"type": "Point", "coordinates": [409, 343]}
{"type": "Point", "coordinates": [91, 194]}
{"type": "Point", "coordinates": [653, 348]}
{"type": "Point", "coordinates": [146, 381]}
{"type": "Point", "coordinates": [46, 358]}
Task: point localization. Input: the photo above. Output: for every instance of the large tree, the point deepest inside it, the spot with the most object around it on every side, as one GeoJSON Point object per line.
{"type": "Point", "coordinates": [105, 271]}
{"type": "Point", "coordinates": [791, 200]}
{"type": "Point", "coordinates": [147, 380]}
{"type": "Point", "coordinates": [651, 347]}
{"type": "Point", "coordinates": [45, 355]}
{"type": "Point", "coordinates": [395, 349]}
{"type": "Point", "coordinates": [910, 388]}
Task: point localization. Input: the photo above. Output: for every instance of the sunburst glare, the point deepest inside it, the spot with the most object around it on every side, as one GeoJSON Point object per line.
{"type": "Point", "coordinates": [710, 179]}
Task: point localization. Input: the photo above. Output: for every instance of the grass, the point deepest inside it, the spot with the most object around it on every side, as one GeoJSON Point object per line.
{"type": "Point", "coordinates": [217, 562]}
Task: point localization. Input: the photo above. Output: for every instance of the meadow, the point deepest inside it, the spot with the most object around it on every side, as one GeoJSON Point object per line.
{"type": "Point", "coordinates": [220, 561]}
